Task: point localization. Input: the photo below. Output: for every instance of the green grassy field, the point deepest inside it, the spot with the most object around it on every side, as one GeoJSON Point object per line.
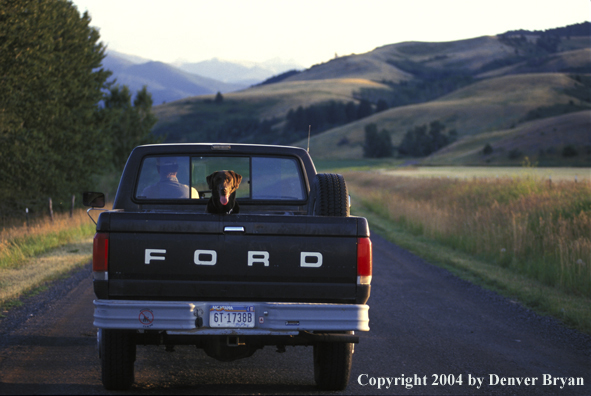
{"type": "Point", "coordinates": [471, 172]}
{"type": "Point", "coordinates": [393, 167]}
{"type": "Point", "coordinates": [572, 310]}
{"type": "Point", "coordinates": [509, 229]}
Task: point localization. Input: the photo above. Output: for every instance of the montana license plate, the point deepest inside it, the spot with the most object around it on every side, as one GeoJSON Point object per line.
{"type": "Point", "coordinates": [231, 316]}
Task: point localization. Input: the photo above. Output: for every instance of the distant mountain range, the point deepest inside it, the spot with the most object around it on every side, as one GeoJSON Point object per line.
{"type": "Point", "coordinates": [168, 83]}
{"type": "Point", "coordinates": [246, 73]}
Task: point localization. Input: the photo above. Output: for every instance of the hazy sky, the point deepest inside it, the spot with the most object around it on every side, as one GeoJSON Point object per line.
{"type": "Point", "coordinates": [308, 31]}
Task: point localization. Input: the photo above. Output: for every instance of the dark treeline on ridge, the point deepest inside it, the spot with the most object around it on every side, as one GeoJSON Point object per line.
{"type": "Point", "coordinates": [317, 118]}
{"type": "Point", "coordinates": [578, 29]}
{"type": "Point", "coordinates": [324, 116]}
{"type": "Point", "coordinates": [279, 77]}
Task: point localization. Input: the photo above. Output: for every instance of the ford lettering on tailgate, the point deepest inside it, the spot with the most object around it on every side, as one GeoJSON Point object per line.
{"type": "Point", "coordinates": [209, 257]}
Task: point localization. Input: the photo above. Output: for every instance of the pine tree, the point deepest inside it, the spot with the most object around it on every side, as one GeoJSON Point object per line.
{"type": "Point", "coordinates": [364, 109]}
{"type": "Point", "coordinates": [350, 112]}
{"type": "Point", "coordinates": [50, 84]}
{"type": "Point", "coordinates": [377, 144]}
{"type": "Point", "coordinates": [381, 105]}
{"type": "Point", "coordinates": [421, 141]}
{"type": "Point", "coordinates": [127, 126]}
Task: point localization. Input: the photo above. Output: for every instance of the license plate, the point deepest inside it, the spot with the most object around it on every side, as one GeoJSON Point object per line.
{"type": "Point", "coordinates": [231, 316]}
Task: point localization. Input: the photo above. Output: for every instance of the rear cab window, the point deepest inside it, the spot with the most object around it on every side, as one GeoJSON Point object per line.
{"type": "Point", "coordinates": [183, 178]}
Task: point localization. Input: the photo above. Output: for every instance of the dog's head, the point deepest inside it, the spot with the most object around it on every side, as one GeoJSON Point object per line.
{"type": "Point", "coordinates": [223, 184]}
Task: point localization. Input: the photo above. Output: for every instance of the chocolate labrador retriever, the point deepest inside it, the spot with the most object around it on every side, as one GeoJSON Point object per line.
{"type": "Point", "coordinates": [223, 186]}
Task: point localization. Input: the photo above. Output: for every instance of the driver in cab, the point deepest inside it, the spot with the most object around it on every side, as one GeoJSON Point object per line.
{"type": "Point", "coordinates": [168, 187]}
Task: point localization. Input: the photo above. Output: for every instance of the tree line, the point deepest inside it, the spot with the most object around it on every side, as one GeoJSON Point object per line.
{"type": "Point", "coordinates": [318, 118]}
{"type": "Point", "coordinates": [578, 29]}
{"type": "Point", "coordinates": [61, 121]}
{"type": "Point", "coordinates": [419, 141]}
{"type": "Point", "coordinates": [324, 116]}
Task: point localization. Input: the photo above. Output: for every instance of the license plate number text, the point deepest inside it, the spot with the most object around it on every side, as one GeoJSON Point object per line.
{"type": "Point", "coordinates": [231, 316]}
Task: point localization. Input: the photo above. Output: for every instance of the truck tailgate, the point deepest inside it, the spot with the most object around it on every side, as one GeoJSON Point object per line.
{"type": "Point", "coordinates": [183, 256]}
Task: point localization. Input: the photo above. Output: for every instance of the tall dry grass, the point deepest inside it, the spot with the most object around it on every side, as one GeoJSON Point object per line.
{"type": "Point", "coordinates": [18, 243]}
{"type": "Point", "coordinates": [534, 227]}
{"type": "Point", "coordinates": [35, 271]}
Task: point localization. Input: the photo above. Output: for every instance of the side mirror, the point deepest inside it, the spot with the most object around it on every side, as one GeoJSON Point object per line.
{"type": "Point", "coordinates": [93, 199]}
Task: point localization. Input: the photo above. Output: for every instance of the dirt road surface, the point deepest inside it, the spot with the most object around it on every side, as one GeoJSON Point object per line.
{"type": "Point", "coordinates": [428, 329]}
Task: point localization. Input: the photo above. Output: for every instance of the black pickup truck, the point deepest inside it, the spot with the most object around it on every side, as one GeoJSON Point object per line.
{"type": "Point", "coordinates": [292, 268]}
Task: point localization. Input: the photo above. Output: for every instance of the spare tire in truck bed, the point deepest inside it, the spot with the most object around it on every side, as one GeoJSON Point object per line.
{"type": "Point", "coordinates": [329, 196]}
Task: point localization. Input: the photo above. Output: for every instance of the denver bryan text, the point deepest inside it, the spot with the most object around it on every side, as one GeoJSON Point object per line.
{"type": "Point", "coordinates": [546, 380]}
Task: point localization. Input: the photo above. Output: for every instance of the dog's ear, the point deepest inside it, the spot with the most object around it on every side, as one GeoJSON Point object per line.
{"type": "Point", "coordinates": [210, 180]}
{"type": "Point", "coordinates": [237, 178]}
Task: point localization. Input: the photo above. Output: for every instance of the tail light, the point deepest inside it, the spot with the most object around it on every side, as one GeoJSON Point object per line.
{"type": "Point", "coordinates": [364, 261]}
{"type": "Point", "coordinates": [100, 255]}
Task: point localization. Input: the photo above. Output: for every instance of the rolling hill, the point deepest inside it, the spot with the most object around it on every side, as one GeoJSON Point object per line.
{"type": "Point", "coordinates": [201, 119]}
{"type": "Point", "coordinates": [477, 87]}
{"type": "Point", "coordinates": [401, 61]}
{"type": "Point", "coordinates": [543, 141]}
{"type": "Point", "coordinates": [485, 106]}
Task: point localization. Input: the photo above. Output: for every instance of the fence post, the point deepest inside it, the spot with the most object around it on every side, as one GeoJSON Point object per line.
{"type": "Point", "coordinates": [50, 210]}
{"type": "Point", "coordinates": [72, 207]}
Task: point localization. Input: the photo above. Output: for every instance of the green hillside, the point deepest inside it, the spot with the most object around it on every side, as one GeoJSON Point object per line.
{"type": "Point", "coordinates": [485, 85]}
{"type": "Point", "coordinates": [202, 119]}
{"type": "Point", "coordinates": [554, 141]}
{"type": "Point", "coordinates": [487, 106]}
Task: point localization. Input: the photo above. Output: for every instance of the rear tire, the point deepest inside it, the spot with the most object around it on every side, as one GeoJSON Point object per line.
{"type": "Point", "coordinates": [329, 196]}
{"type": "Point", "coordinates": [117, 351]}
{"type": "Point", "coordinates": [332, 365]}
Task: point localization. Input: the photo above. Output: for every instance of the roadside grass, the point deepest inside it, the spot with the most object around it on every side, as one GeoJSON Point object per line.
{"type": "Point", "coordinates": [20, 243]}
{"type": "Point", "coordinates": [573, 311]}
{"type": "Point", "coordinates": [523, 224]}
{"type": "Point", "coordinates": [516, 236]}
{"type": "Point", "coordinates": [45, 251]}
{"type": "Point", "coordinates": [30, 277]}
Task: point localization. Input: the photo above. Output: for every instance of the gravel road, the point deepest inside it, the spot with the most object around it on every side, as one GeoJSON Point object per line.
{"type": "Point", "coordinates": [429, 330]}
